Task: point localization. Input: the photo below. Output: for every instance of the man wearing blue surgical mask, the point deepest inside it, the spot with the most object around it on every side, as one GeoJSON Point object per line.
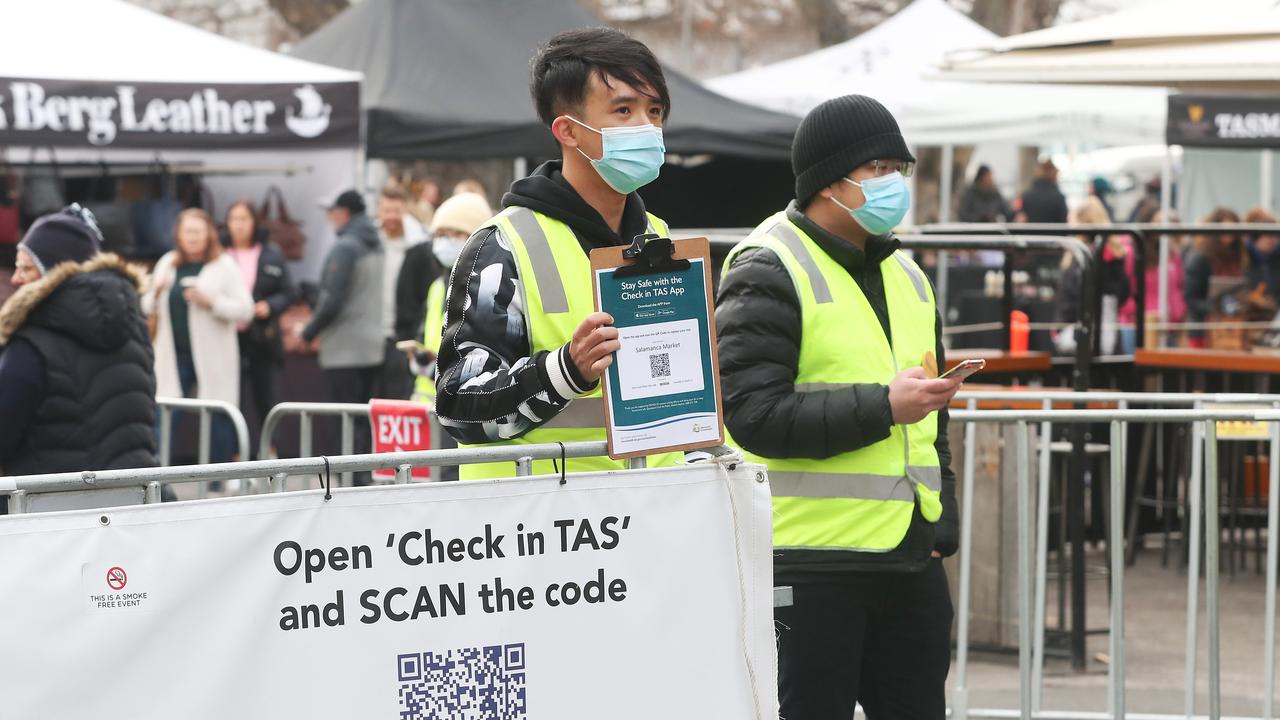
{"type": "Point", "coordinates": [824, 326]}
{"type": "Point", "coordinates": [523, 348]}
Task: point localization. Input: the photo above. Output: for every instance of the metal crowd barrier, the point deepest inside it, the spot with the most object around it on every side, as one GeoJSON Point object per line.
{"type": "Point", "coordinates": [1203, 485]}
{"type": "Point", "coordinates": [1080, 377]}
{"type": "Point", "coordinates": [1203, 497]}
{"type": "Point", "coordinates": [306, 412]}
{"type": "Point", "coordinates": [92, 495]}
{"type": "Point", "coordinates": [206, 409]}
{"type": "Point", "coordinates": [22, 488]}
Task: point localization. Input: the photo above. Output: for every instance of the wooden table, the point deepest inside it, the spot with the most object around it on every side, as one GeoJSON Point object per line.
{"type": "Point", "coordinates": [1208, 360]}
{"type": "Point", "coordinates": [1000, 361]}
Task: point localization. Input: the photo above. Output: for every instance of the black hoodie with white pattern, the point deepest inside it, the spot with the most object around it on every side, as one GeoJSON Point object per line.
{"type": "Point", "coordinates": [491, 386]}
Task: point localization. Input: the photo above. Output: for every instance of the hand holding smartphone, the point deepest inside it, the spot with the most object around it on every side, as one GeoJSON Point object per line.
{"type": "Point", "coordinates": [964, 369]}
{"type": "Point", "coordinates": [416, 351]}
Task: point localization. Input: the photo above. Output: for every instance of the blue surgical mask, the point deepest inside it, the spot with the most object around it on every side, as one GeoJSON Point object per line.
{"type": "Point", "coordinates": [633, 155]}
{"type": "Point", "coordinates": [885, 202]}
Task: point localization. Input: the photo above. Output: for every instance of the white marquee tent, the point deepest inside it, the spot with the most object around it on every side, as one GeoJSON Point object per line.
{"type": "Point", "coordinates": [1229, 46]}
{"type": "Point", "coordinates": [1224, 46]}
{"type": "Point", "coordinates": [104, 81]}
{"type": "Point", "coordinates": [112, 40]}
{"type": "Point", "coordinates": [895, 62]}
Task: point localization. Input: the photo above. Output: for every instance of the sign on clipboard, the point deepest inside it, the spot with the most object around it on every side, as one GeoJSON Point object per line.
{"type": "Point", "coordinates": [662, 392]}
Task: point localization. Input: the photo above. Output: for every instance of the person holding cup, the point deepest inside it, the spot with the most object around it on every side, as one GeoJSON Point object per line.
{"type": "Point", "coordinates": [199, 299]}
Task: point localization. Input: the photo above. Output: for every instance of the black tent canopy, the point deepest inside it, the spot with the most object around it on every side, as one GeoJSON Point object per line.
{"type": "Point", "coordinates": [448, 80]}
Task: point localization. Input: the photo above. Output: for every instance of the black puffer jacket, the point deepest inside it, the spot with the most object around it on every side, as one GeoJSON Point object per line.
{"type": "Point", "coordinates": [273, 286]}
{"type": "Point", "coordinates": [97, 411]}
{"type": "Point", "coordinates": [758, 322]}
{"type": "Point", "coordinates": [1043, 202]}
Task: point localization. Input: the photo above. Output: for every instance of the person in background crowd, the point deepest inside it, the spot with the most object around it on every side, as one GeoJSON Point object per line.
{"type": "Point", "coordinates": [424, 198]}
{"type": "Point", "coordinates": [1149, 204]}
{"type": "Point", "coordinates": [396, 380]}
{"type": "Point", "coordinates": [1211, 256]}
{"type": "Point", "coordinates": [824, 328]}
{"type": "Point", "coordinates": [523, 345]}
{"type": "Point", "coordinates": [1100, 188]}
{"type": "Point", "coordinates": [77, 375]}
{"type": "Point", "coordinates": [266, 275]}
{"type": "Point", "coordinates": [199, 300]}
{"type": "Point", "coordinates": [1174, 278]}
{"type": "Point", "coordinates": [348, 315]}
{"type": "Point", "coordinates": [469, 185]}
{"type": "Point", "coordinates": [1043, 202]}
{"type": "Point", "coordinates": [1264, 254]}
{"type": "Point", "coordinates": [1112, 281]}
{"type": "Point", "coordinates": [982, 201]}
{"type": "Point", "coordinates": [426, 265]}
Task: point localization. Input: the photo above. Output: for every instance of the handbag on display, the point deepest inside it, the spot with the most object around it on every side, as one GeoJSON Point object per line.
{"type": "Point", "coordinates": [154, 217]}
{"type": "Point", "coordinates": [42, 191]}
{"type": "Point", "coordinates": [281, 228]}
{"type": "Point", "coordinates": [112, 213]}
{"type": "Point", "coordinates": [204, 199]}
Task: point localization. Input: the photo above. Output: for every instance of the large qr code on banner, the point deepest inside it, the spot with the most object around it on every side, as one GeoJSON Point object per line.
{"type": "Point", "coordinates": [484, 683]}
{"type": "Point", "coordinates": [660, 365]}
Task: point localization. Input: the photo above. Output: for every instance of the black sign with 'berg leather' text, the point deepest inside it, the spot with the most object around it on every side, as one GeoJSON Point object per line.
{"type": "Point", "coordinates": [1223, 121]}
{"type": "Point", "coordinates": [68, 113]}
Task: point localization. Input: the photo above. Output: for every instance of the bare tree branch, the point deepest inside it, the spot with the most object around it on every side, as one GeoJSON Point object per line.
{"type": "Point", "coordinates": [306, 16]}
{"type": "Point", "coordinates": [1010, 17]}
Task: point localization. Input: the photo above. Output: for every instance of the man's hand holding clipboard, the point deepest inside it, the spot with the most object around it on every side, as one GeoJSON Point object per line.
{"type": "Point", "coordinates": [593, 345]}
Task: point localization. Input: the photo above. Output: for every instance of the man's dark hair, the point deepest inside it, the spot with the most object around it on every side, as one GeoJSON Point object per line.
{"type": "Point", "coordinates": [562, 68]}
{"type": "Point", "coordinates": [983, 171]}
{"type": "Point", "coordinates": [393, 193]}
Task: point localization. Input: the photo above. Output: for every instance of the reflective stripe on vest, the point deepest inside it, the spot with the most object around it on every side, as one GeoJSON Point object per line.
{"type": "Point", "coordinates": [547, 252]}
{"type": "Point", "coordinates": [862, 500]}
{"type": "Point", "coordinates": [432, 333]}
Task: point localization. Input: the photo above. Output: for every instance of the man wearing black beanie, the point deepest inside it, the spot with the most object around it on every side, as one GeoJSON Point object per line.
{"type": "Point", "coordinates": [825, 332]}
{"type": "Point", "coordinates": [77, 377]}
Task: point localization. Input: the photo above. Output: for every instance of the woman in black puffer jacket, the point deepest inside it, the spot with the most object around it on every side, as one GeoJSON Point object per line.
{"type": "Point", "coordinates": [267, 277]}
{"type": "Point", "coordinates": [77, 378]}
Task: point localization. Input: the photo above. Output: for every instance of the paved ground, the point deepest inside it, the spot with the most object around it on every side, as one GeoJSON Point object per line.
{"type": "Point", "coordinates": [1155, 637]}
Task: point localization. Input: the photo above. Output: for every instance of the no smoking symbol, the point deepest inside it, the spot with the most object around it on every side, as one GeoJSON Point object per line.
{"type": "Point", "coordinates": [116, 578]}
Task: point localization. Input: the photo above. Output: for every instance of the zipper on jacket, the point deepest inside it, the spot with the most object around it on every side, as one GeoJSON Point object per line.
{"type": "Point", "coordinates": [906, 438]}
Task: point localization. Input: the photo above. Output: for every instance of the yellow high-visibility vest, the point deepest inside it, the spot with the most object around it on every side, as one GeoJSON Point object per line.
{"type": "Point", "coordinates": [432, 331]}
{"type": "Point", "coordinates": [556, 289]}
{"type": "Point", "coordinates": [862, 500]}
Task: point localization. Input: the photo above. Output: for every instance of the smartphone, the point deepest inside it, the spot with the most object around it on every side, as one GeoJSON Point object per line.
{"type": "Point", "coordinates": [965, 368]}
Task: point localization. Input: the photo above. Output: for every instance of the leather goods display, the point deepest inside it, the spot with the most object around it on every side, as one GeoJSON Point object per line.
{"type": "Point", "coordinates": [281, 228]}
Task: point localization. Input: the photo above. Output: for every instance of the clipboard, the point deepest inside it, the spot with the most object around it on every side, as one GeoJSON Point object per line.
{"type": "Point", "coordinates": [662, 390]}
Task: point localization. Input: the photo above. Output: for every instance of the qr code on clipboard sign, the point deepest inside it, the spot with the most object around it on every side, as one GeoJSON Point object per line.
{"type": "Point", "coordinates": [660, 365]}
{"type": "Point", "coordinates": [479, 683]}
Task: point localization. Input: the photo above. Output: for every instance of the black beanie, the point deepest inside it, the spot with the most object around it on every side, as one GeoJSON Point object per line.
{"type": "Point", "coordinates": [838, 136]}
{"type": "Point", "coordinates": [70, 235]}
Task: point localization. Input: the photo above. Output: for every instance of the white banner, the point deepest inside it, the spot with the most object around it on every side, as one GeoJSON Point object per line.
{"type": "Point", "coordinates": [637, 594]}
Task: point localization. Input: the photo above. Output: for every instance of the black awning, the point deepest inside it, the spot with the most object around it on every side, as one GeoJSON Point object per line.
{"type": "Point", "coordinates": [449, 79]}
